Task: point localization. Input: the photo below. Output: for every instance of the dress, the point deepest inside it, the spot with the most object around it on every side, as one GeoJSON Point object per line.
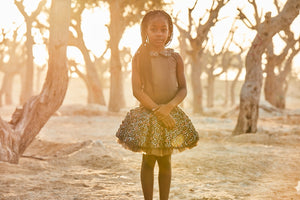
{"type": "Point", "coordinates": [140, 131]}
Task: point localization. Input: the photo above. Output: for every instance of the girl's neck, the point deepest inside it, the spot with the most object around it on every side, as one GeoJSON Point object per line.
{"type": "Point", "coordinates": [156, 49]}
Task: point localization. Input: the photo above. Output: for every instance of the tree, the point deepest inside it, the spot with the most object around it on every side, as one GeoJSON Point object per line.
{"type": "Point", "coordinates": [91, 78]}
{"type": "Point", "coordinates": [27, 87]}
{"type": "Point", "coordinates": [236, 62]}
{"type": "Point", "coordinates": [27, 121]}
{"type": "Point", "coordinates": [277, 72]}
{"type": "Point", "coordinates": [14, 50]}
{"type": "Point", "coordinates": [213, 63]}
{"type": "Point", "coordinates": [197, 45]}
{"type": "Point", "coordinates": [276, 84]}
{"type": "Point", "coordinates": [250, 93]}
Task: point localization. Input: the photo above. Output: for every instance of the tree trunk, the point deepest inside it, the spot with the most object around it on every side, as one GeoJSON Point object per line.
{"type": "Point", "coordinates": [26, 123]}
{"type": "Point", "coordinates": [251, 89]}
{"type": "Point", "coordinates": [233, 85]}
{"type": "Point", "coordinates": [274, 90]}
{"type": "Point", "coordinates": [210, 88]}
{"type": "Point", "coordinates": [27, 87]}
{"type": "Point", "coordinates": [276, 85]}
{"type": "Point", "coordinates": [116, 100]}
{"type": "Point", "coordinates": [196, 72]}
{"type": "Point", "coordinates": [6, 88]}
{"type": "Point", "coordinates": [226, 86]}
{"type": "Point", "coordinates": [95, 89]}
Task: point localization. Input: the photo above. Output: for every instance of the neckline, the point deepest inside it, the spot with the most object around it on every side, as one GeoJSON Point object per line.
{"type": "Point", "coordinates": [164, 52]}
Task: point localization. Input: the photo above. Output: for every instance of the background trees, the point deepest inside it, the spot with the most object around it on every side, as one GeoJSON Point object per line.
{"type": "Point", "coordinates": [15, 64]}
{"type": "Point", "coordinates": [197, 45]}
{"type": "Point", "coordinates": [91, 77]}
{"type": "Point", "coordinates": [27, 86]}
{"type": "Point", "coordinates": [196, 35]}
{"type": "Point", "coordinates": [277, 67]}
{"type": "Point", "coordinates": [250, 93]}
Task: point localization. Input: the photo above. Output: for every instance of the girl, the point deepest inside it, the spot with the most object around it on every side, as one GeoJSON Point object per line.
{"type": "Point", "coordinates": [158, 126]}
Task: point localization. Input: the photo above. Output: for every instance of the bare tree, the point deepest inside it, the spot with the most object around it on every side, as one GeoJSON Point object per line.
{"type": "Point", "coordinates": [92, 80]}
{"type": "Point", "coordinates": [251, 89]}
{"type": "Point", "coordinates": [100, 68]}
{"type": "Point", "coordinates": [238, 63]}
{"type": "Point", "coordinates": [27, 86]}
{"type": "Point", "coordinates": [197, 45]}
{"type": "Point", "coordinates": [233, 60]}
{"type": "Point", "coordinates": [215, 63]}
{"type": "Point", "coordinates": [27, 121]}
{"type": "Point", "coordinates": [276, 83]}
{"type": "Point", "coordinates": [14, 51]}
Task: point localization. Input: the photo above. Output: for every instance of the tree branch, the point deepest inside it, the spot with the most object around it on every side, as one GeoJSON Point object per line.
{"type": "Point", "coordinates": [246, 20]}
{"type": "Point", "coordinates": [256, 14]}
{"type": "Point", "coordinates": [21, 8]}
{"type": "Point", "coordinates": [38, 10]}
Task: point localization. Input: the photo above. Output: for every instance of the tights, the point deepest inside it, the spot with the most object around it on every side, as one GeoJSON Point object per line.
{"type": "Point", "coordinates": [164, 175]}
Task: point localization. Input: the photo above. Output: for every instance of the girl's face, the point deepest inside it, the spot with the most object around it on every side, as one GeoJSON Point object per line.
{"type": "Point", "coordinates": [158, 32]}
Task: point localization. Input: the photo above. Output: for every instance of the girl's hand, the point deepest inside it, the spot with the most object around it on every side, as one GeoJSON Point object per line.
{"type": "Point", "coordinates": [168, 122]}
{"type": "Point", "coordinates": [162, 111]}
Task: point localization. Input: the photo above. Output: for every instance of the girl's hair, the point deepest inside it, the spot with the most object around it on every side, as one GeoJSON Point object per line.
{"type": "Point", "coordinates": [143, 54]}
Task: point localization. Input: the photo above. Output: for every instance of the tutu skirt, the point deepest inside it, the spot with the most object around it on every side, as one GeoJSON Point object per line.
{"type": "Point", "coordinates": [140, 131]}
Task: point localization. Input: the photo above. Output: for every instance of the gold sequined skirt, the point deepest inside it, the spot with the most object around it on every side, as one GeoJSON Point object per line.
{"type": "Point", "coordinates": [140, 131]}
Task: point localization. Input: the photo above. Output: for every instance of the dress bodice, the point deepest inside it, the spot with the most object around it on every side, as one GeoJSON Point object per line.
{"type": "Point", "coordinates": [162, 85]}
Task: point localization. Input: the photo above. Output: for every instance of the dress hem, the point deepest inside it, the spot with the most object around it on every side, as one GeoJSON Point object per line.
{"type": "Point", "coordinates": [155, 151]}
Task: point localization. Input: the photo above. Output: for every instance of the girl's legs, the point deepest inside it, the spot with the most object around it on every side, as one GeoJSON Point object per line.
{"type": "Point", "coordinates": [164, 176]}
{"type": "Point", "coordinates": [147, 175]}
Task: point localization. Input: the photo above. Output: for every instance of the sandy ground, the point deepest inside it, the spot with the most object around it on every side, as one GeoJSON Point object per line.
{"type": "Point", "coordinates": [76, 157]}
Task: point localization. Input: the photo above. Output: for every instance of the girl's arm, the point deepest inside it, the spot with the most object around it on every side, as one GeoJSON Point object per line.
{"type": "Point", "coordinates": [182, 91]}
{"type": "Point", "coordinates": [138, 92]}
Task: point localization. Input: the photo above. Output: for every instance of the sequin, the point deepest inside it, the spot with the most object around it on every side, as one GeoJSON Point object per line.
{"type": "Point", "coordinates": [140, 131]}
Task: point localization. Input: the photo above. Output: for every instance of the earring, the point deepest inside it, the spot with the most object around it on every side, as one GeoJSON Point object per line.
{"type": "Point", "coordinates": [147, 39]}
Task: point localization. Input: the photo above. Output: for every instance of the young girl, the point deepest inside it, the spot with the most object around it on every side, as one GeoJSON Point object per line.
{"type": "Point", "coordinates": [158, 127]}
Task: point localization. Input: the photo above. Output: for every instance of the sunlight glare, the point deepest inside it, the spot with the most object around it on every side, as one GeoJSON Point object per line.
{"type": "Point", "coordinates": [95, 31]}
{"type": "Point", "coordinates": [40, 54]}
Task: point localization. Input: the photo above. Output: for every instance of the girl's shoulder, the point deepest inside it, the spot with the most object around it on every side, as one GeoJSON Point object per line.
{"type": "Point", "coordinates": [174, 54]}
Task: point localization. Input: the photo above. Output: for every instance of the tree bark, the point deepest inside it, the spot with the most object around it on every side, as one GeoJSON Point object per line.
{"type": "Point", "coordinates": [116, 29]}
{"type": "Point", "coordinates": [210, 88]}
{"type": "Point", "coordinates": [26, 122]}
{"type": "Point", "coordinates": [196, 72]}
{"type": "Point", "coordinates": [251, 89]}
{"type": "Point", "coordinates": [275, 89]}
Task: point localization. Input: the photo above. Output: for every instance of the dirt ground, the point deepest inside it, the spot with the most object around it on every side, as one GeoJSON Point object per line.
{"type": "Point", "coordinates": [76, 157]}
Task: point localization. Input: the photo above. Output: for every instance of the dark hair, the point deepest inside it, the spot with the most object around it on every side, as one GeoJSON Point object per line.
{"type": "Point", "coordinates": [143, 55]}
